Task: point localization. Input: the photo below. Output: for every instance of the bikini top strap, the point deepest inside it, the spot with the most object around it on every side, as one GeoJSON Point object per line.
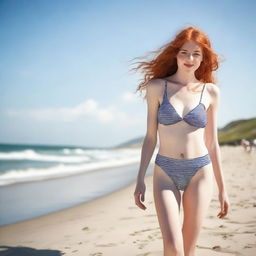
{"type": "Point", "coordinates": [165, 89]}
{"type": "Point", "coordinates": [201, 94]}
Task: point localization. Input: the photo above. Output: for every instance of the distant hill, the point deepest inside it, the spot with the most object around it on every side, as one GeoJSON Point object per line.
{"type": "Point", "coordinates": [230, 134]}
{"type": "Point", "coordinates": [134, 143]}
{"type": "Point", "coordinates": [233, 132]}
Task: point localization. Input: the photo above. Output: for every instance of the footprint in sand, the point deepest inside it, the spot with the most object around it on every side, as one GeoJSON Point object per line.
{"type": "Point", "coordinates": [247, 232]}
{"type": "Point", "coordinates": [141, 246]}
{"type": "Point", "coordinates": [96, 254]}
{"type": "Point", "coordinates": [207, 228]}
{"type": "Point", "coordinates": [251, 226]}
{"type": "Point", "coordinates": [133, 207]}
{"type": "Point", "coordinates": [126, 218]}
{"type": "Point", "coordinates": [150, 215]}
{"type": "Point", "coordinates": [141, 243]}
{"type": "Point", "coordinates": [247, 246]}
{"type": "Point", "coordinates": [218, 248]}
{"type": "Point", "coordinates": [106, 245]}
{"type": "Point", "coordinates": [86, 228]}
{"type": "Point", "coordinates": [151, 253]}
{"type": "Point", "coordinates": [250, 222]}
{"type": "Point", "coordinates": [142, 231]}
{"type": "Point", "coordinates": [224, 235]}
{"type": "Point", "coordinates": [243, 223]}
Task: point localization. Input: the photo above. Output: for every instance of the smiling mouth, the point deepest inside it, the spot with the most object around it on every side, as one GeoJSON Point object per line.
{"type": "Point", "coordinates": [187, 65]}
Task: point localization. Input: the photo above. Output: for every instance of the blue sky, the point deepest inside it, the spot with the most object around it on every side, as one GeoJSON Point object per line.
{"type": "Point", "coordinates": [64, 66]}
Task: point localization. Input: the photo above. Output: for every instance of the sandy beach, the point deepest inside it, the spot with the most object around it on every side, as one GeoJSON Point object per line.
{"type": "Point", "coordinates": [114, 225]}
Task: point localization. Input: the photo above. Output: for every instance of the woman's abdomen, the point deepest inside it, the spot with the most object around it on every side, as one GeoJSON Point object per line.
{"type": "Point", "coordinates": [181, 143]}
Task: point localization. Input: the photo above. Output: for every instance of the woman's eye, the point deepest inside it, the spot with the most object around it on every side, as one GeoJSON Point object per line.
{"type": "Point", "coordinates": [194, 54]}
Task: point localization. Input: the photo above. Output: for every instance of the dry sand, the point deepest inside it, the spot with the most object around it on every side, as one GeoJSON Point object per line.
{"type": "Point", "coordinates": [114, 225]}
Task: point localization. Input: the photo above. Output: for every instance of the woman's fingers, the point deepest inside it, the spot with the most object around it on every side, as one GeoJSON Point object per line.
{"type": "Point", "coordinates": [224, 204]}
{"type": "Point", "coordinates": [224, 210]}
{"type": "Point", "coordinates": [139, 194]}
{"type": "Point", "coordinates": [138, 201]}
{"type": "Point", "coordinates": [142, 197]}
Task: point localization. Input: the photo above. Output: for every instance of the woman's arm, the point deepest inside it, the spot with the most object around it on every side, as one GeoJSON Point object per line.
{"type": "Point", "coordinates": [211, 136]}
{"type": "Point", "coordinates": [150, 140]}
{"type": "Point", "coordinates": [212, 144]}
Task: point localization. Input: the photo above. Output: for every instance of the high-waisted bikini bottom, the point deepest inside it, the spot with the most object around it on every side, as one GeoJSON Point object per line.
{"type": "Point", "coordinates": [181, 170]}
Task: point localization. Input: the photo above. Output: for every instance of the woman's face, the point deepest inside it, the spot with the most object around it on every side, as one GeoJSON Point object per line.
{"type": "Point", "coordinates": [189, 56]}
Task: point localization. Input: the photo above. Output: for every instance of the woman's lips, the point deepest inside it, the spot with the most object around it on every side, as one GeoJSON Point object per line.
{"type": "Point", "coordinates": [189, 66]}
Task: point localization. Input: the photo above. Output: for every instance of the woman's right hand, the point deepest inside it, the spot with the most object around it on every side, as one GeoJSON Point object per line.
{"type": "Point", "coordinates": [139, 195]}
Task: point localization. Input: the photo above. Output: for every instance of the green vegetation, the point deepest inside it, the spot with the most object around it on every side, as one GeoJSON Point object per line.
{"type": "Point", "coordinates": [233, 132]}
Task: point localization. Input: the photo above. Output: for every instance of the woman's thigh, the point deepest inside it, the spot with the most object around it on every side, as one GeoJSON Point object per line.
{"type": "Point", "coordinates": [196, 199]}
{"type": "Point", "coordinates": [167, 200]}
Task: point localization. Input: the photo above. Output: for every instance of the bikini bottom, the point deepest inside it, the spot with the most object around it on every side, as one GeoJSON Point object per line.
{"type": "Point", "coordinates": [181, 170]}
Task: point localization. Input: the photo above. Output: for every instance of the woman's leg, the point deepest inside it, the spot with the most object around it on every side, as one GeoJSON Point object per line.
{"type": "Point", "coordinates": [196, 199]}
{"type": "Point", "coordinates": [167, 200]}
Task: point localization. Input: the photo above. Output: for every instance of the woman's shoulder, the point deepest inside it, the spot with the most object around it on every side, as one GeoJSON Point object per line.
{"type": "Point", "coordinates": [155, 82]}
{"type": "Point", "coordinates": [156, 85]}
{"type": "Point", "coordinates": [154, 88]}
{"type": "Point", "coordinates": [213, 89]}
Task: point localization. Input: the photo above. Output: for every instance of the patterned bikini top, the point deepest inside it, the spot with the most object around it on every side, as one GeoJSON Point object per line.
{"type": "Point", "coordinates": [167, 114]}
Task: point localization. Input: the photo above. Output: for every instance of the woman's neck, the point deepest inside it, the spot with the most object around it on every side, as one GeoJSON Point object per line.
{"type": "Point", "coordinates": [183, 78]}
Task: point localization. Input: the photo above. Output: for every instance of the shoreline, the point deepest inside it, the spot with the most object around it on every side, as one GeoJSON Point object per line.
{"type": "Point", "coordinates": [48, 178]}
{"type": "Point", "coordinates": [35, 199]}
{"type": "Point", "coordinates": [114, 225]}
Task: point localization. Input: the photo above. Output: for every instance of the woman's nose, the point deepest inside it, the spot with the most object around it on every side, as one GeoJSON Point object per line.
{"type": "Point", "coordinates": [190, 57]}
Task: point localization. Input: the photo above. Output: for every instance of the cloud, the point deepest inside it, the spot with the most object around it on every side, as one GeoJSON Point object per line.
{"type": "Point", "coordinates": [89, 110]}
{"type": "Point", "coordinates": [129, 97]}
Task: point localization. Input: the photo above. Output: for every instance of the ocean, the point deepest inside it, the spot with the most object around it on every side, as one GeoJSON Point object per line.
{"type": "Point", "coordinates": [22, 163]}
{"type": "Point", "coordinates": [38, 179]}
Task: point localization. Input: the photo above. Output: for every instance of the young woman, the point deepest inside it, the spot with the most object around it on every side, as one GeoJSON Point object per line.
{"type": "Point", "coordinates": [182, 101]}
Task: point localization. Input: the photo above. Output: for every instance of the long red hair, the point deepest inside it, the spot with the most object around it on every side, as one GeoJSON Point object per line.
{"type": "Point", "coordinates": [165, 64]}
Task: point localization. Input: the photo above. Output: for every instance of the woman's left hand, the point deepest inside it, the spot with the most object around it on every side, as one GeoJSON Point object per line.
{"type": "Point", "coordinates": [224, 203]}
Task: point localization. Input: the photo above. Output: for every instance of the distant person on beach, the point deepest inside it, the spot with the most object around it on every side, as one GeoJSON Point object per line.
{"type": "Point", "coordinates": [254, 143]}
{"type": "Point", "coordinates": [246, 144]}
{"type": "Point", "coordinates": [182, 101]}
